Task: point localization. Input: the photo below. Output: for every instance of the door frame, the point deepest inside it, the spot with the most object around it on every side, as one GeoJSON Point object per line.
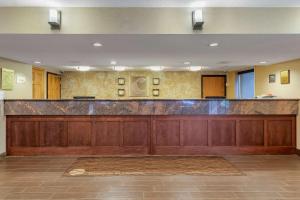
{"type": "Point", "coordinates": [47, 83]}
{"type": "Point", "coordinates": [225, 81]}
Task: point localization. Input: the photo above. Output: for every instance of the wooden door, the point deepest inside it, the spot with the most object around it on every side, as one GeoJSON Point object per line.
{"type": "Point", "coordinates": [53, 86]}
{"type": "Point", "coordinates": [38, 79]}
{"type": "Point", "coordinates": [213, 86]}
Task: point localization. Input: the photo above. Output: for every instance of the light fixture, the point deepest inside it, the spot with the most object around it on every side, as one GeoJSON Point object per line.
{"type": "Point", "coordinates": [37, 62]}
{"type": "Point", "coordinates": [119, 68]}
{"type": "Point", "coordinates": [83, 68]}
{"type": "Point", "coordinates": [113, 62]}
{"type": "Point", "coordinates": [195, 68]}
{"type": "Point", "coordinates": [54, 18]}
{"type": "Point", "coordinates": [97, 44]}
{"type": "Point", "coordinates": [263, 62]}
{"type": "Point", "coordinates": [214, 44]}
{"type": "Point", "coordinates": [187, 63]}
{"type": "Point", "coordinates": [156, 68]}
{"type": "Point", "coordinates": [197, 18]}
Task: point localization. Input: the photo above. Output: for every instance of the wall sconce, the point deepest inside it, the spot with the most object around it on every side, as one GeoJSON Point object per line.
{"type": "Point", "coordinates": [156, 81]}
{"type": "Point", "coordinates": [54, 18]}
{"type": "Point", "coordinates": [197, 17]}
{"type": "Point", "coordinates": [121, 81]}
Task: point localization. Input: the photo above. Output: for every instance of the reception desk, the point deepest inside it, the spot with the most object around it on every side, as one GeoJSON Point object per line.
{"type": "Point", "coordinates": [150, 127]}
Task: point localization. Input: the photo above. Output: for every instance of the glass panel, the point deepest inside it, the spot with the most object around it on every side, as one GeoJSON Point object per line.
{"type": "Point", "coordinates": [246, 85]}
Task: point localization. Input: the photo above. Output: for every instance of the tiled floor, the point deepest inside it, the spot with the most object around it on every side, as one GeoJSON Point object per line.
{"type": "Point", "coordinates": [266, 177]}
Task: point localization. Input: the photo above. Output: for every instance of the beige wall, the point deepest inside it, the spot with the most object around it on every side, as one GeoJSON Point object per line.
{"type": "Point", "coordinates": [152, 20]}
{"type": "Point", "coordinates": [103, 85]}
{"type": "Point", "coordinates": [262, 85]}
{"type": "Point", "coordinates": [20, 90]}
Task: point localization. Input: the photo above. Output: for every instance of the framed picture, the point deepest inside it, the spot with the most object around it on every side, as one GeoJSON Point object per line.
{"type": "Point", "coordinates": [7, 77]}
{"type": "Point", "coordinates": [121, 92]}
{"type": "Point", "coordinates": [138, 86]}
{"type": "Point", "coordinates": [155, 92]}
{"type": "Point", "coordinates": [156, 81]}
{"type": "Point", "coordinates": [272, 78]}
{"type": "Point", "coordinates": [121, 81]}
{"type": "Point", "coordinates": [285, 77]}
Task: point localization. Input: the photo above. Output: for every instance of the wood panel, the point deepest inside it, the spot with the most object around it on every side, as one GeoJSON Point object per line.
{"type": "Point", "coordinates": [79, 133]}
{"type": "Point", "coordinates": [224, 150]}
{"type": "Point", "coordinates": [223, 132]}
{"type": "Point", "coordinates": [135, 133]}
{"type": "Point", "coordinates": [213, 86]}
{"type": "Point", "coordinates": [25, 134]}
{"type": "Point", "coordinates": [165, 135]}
{"type": "Point", "coordinates": [53, 86]}
{"type": "Point", "coordinates": [38, 85]}
{"type": "Point", "coordinates": [53, 133]}
{"type": "Point", "coordinates": [251, 132]}
{"type": "Point", "coordinates": [107, 133]}
{"type": "Point", "coordinates": [280, 132]}
{"type": "Point", "coordinates": [195, 132]}
{"type": "Point", "coordinates": [167, 132]}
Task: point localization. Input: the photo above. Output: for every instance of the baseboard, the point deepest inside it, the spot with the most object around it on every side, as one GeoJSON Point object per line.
{"type": "Point", "coordinates": [2, 154]}
{"type": "Point", "coordinates": [298, 152]}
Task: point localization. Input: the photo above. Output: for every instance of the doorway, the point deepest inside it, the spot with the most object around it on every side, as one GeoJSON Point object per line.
{"type": "Point", "coordinates": [38, 83]}
{"type": "Point", "coordinates": [213, 86]}
{"type": "Point", "coordinates": [53, 86]}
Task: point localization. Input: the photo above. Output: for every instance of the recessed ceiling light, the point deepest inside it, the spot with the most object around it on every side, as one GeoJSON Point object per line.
{"type": "Point", "coordinates": [187, 63]}
{"type": "Point", "coordinates": [37, 62]}
{"type": "Point", "coordinates": [195, 68]}
{"type": "Point", "coordinates": [156, 68]}
{"type": "Point", "coordinates": [263, 62]}
{"type": "Point", "coordinates": [214, 44]}
{"type": "Point", "coordinates": [119, 68]}
{"type": "Point", "coordinates": [83, 68]}
{"type": "Point", "coordinates": [113, 62]}
{"type": "Point", "coordinates": [97, 44]}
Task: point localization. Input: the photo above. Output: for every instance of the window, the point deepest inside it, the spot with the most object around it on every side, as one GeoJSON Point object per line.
{"type": "Point", "coordinates": [245, 84]}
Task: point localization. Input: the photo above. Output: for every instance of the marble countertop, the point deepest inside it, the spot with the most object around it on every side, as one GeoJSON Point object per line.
{"type": "Point", "coordinates": [153, 107]}
{"type": "Point", "coordinates": [213, 99]}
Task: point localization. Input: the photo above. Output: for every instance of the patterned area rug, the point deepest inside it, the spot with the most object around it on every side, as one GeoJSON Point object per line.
{"type": "Point", "coordinates": [155, 165]}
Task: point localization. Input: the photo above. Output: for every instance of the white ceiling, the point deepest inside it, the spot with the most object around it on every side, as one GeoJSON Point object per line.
{"type": "Point", "coordinates": [151, 3]}
{"type": "Point", "coordinates": [137, 51]}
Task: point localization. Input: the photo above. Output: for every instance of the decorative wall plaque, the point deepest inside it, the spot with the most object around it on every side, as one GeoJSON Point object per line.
{"type": "Point", "coordinates": [156, 81]}
{"type": "Point", "coordinates": [6, 79]}
{"type": "Point", "coordinates": [155, 92]}
{"type": "Point", "coordinates": [138, 86]}
{"type": "Point", "coordinates": [285, 77]}
{"type": "Point", "coordinates": [121, 81]}
{"type": "Point", "coordinates": [121, 92]}
{"type": "Point", "coordinates": [272, 78]}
